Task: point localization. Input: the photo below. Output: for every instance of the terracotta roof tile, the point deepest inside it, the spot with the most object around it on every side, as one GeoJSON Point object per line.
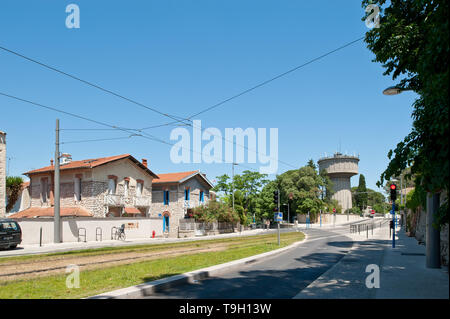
{"type": "Point", "coordinates": [89, 163]}
{"type": "Point", "coordinates": [173, 177]}
{"type": "Point", "coordinates": [33, 212]}
{"type": "Point", "coordinates": [132, 211]}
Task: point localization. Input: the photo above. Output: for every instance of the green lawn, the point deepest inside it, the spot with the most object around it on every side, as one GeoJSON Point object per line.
{"type": "Point", "coordinates": [97, 281]}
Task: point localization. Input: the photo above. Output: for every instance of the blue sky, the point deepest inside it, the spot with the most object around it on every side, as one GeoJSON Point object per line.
{"type": "Point", "coordinates": [183, 56]}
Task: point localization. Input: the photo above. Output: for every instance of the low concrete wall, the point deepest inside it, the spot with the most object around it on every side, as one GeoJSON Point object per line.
{"type": "Point", "coordinates": [134, 228]}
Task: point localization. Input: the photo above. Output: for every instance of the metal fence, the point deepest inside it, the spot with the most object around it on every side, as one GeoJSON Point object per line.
{"type": "Point", "coordinates": [367, 227]}
{"type": "Point", "coordinates": [203, 228]}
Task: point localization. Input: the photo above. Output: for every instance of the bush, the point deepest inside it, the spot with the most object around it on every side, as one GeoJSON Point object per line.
{"type": "Point", "coordinates": [215, 211]}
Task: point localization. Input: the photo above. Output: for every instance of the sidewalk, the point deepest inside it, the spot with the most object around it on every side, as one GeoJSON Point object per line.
{"type": "Point", "coordinates": [403, 274]}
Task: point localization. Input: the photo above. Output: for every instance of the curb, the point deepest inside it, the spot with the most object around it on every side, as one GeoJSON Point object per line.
{"type": "Point", "coordinates": [149, 288]}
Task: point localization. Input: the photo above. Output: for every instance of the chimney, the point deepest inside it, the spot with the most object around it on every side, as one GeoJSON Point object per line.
{"type": "Point", "coordinates": [51, 162]}
{"type": "Point", "coordinates": [144, 162]}
{"type": "Point", "coordinates": [66, 158]}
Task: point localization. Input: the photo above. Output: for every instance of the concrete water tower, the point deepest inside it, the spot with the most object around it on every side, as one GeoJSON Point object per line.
{"type": "Point", "coordinates": [340, 168]}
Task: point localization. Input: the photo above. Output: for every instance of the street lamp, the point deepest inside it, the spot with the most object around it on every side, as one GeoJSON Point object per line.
{"type": "Point", "coordinates": [392, 90]}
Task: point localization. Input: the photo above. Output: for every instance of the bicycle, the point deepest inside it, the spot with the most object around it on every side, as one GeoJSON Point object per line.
{"type": "Point", "coordinates": [120, 232]}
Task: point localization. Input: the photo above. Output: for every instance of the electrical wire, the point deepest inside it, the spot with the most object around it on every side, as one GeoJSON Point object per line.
{"type": "Point", "coordinates": [173, 117]}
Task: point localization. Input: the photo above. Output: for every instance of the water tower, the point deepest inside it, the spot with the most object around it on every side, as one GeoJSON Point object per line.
{"type": "Point", "coordinates": [340, 168]}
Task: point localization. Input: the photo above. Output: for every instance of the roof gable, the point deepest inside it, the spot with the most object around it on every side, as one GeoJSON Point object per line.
{"type": "Point", "coordinates": [91, 163]}
{"type": "Point", "coordinates": [180, 177]}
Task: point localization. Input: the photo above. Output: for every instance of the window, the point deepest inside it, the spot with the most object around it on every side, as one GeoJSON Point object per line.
{"type": "Point", "coordinates": [166, 197]}
{"type": "Point", "coordinates": [201, 197]}
{"type": "Point", "coordinates": [186, 194]}
{"type": "Point", "coordinates": [44, 189]}
{"type": "Point", "coordinates": [139, 188]}
{"type": "Point", "coordinates": [9, 226]}
{"type": "Point", "coordinates": [77, 189]}
{"type": "Point", "coordinates": [126, 186]}
{"type": "Point", "coordinates": [111, 186]}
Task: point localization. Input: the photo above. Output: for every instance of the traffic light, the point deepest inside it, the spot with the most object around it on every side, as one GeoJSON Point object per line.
{"type": "Point", "coordinates": [393, 192]}
{"type": "Point", "coordinates": [275, 197]}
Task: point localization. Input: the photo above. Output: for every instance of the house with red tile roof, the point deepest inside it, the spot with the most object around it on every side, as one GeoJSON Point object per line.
{"type": "Point", "coordinates": [116, 186]}
{"type": "Point", "coordinates": [175, 194]}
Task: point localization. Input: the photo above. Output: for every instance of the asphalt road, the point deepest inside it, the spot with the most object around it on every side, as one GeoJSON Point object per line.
{"type": "Point", "coordinates": [279, 277]}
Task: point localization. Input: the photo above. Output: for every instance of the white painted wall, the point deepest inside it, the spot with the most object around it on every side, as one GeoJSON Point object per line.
{"type": "Point", "coordinates": [31, 228]}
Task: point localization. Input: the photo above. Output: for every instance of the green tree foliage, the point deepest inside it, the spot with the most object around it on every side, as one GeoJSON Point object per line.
{"type": "Point", "coordinates": [13, 189]}
{"type": "Point", "coordinates": [412, 43]}
{"type": "Point", "coordinates": [215, 211]}
{"type": "Point", "coordinates": [222, 186]}
{"type": "Point", "coordinates": [361, 196]}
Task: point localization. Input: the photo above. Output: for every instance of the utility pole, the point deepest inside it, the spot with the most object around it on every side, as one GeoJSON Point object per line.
{"type": "Point", "coordinates": [56, 208]}
{"type": "Point", "coordinates": [232, 182]}
{"type": "Point", "coordinates": [433, 238]}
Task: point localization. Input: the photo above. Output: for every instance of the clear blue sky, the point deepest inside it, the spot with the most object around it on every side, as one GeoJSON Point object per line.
{"type": "Point", "coordinates": [183, 56]}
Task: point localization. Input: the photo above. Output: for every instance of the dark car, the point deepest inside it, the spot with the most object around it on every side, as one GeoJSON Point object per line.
{"type": "Point", "coordinates": [10, 234]}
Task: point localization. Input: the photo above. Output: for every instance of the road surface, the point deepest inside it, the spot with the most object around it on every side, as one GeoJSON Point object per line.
{"type": "Point", "coordinates": [281, 276]}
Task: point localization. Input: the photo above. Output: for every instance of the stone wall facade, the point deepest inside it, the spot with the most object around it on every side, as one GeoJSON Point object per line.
{"type": "Point", "coordinates": [418, 229]}
{"type": "Point", "coordinates": [2, 174]}
{"type": "Point", "coordinates": [94, 188]}
{"type": "Point", "coordinates": [178, 207]}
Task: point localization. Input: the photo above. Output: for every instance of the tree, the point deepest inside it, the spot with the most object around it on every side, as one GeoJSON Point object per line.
{"type": "Point", "coordinates": [412, 42]}
{"type": "Point", "coordinates": [361, 195]}
{"type": "Point", "coordinates": [13, 189]}
{"type": "Point", "coordinates": [222, 184]}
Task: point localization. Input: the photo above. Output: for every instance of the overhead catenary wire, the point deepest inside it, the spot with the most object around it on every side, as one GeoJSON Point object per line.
{"type": "Point", "coordinates": [202, 111]}
{"type": "Point", "coordinates": [131, 132]}
{"type": "Point", "coordinates": [173, 117]}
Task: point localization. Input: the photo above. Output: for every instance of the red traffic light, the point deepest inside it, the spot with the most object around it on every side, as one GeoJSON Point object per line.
{"type": "Point", "coordinates": [393, 186]}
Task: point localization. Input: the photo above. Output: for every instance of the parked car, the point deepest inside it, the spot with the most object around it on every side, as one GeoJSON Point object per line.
{"type": "Point", "coordinates": [10, 234]}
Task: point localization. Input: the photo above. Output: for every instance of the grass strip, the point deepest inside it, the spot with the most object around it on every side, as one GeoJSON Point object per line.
{"type": "Point", "coordinates": [130, 248]}
{"type": "Point", "coordinates": [97, 281]}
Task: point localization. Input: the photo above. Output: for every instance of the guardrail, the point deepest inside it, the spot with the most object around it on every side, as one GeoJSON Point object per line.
{"type": "Point", "coordinates": [98, 232]}
{"type": "Point", "coordinates": [366, 227]}
{"type": "Point", "coordinates": [83, 234]}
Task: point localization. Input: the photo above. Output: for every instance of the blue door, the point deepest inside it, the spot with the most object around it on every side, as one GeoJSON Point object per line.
{"type": "Point", "coordinates": [165, 223]}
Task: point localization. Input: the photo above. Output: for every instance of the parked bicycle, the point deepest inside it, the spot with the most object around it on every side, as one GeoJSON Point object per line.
{"type": "Point", "coordinates": [120, 232]}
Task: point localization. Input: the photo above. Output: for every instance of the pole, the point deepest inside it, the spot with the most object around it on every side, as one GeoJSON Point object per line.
{"type": "Point", "coordinates": [289, 219]}
{"type": "Point", "coordinates": [57, 217]}
{"type": "Point", "coordinates": [232, 183]}
{"type": "Point", "coordinates": [278, 221]}
{"type": "Point", "coordinates": [433, 247]}
{"type": "Point", "coordinates": [278, 233]}
{"type": "Point", "coordinates": [393, 221]}
{"type": "Point", "coordinates": [320, 218]}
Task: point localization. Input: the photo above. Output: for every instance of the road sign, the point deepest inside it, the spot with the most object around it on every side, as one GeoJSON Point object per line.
{"type": "Point", "coordinates": [278, 217]}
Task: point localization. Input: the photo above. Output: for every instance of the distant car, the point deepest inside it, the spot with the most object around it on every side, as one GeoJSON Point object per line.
{"type": "Point", "coordinates": [10, 234]}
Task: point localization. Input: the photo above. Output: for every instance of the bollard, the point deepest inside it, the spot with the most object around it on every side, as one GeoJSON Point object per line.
{"type": "Point", "coordinates": [40, 237]}
{"type": "Point", "coordinates": [367, 231]}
